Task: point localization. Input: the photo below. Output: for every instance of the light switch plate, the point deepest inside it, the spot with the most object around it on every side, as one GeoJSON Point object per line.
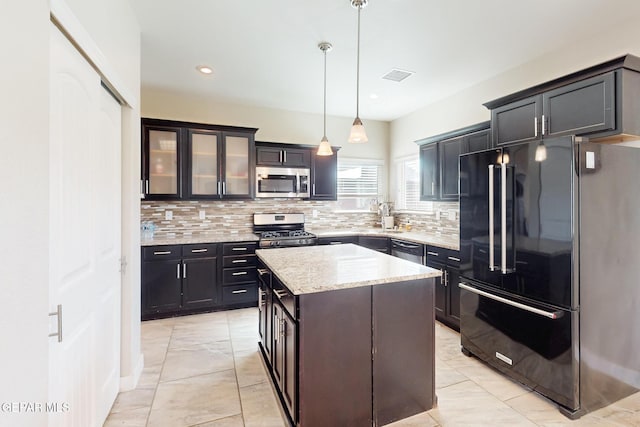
{"type": "Point", "coordinates": [168, 215]}
{"type": "Point", "coordinates": [314, 213]}
{"type": "Point", "coordinates": [452, 215]}
{"type": "Point", "coordinates": [591, 160]}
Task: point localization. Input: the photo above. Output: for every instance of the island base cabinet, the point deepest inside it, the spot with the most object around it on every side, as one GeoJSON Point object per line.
{"type": "Point", "coordinates": [335, 358]}
{"type": "Point", "coordinates": [403, 348]}
{"type": "Point", "coordinates": [366, 354]}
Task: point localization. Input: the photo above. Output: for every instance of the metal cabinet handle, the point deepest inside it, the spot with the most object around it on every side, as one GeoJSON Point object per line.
{"type": "Point", "coordinates": [218, 187]}
{"type": "Point", "coordinates": [491, 219]}
{"type": "Point", "coordinates": [58, 313]}
{"type": "Point", "coordinates": [543, 125]}
{"type": "Point", "coordinates": [314, 189]}
{"type": "Point", "coordinates": [550, 314]}
{"type": "Point", "coordinates": [433, 253]}
{"type": "Point", "coordinates": [262, 271]}
{"type": "Point", "coordinates": [280, 294]}
{"type": "Point", "coordinates": [240, 291]}
{"type": "Point", "coordinates": [240, 273]}
{"type": "Point", "coordinates": [405, 245]}
{"type": "Point", "coordinates": [285, 156]}
{"type": "Point", "coordinates": [280, 156]}
{"type": "Point", "coordinates": [335, 243]}
{"type": "Point", "coordinates": [184, 270]}
{"type": "Point", "coordinates": [281, 328]}
{"type": "Point", "coordinates": [146, 186]}
{"type": "Point", "coordinates": [276, 322]}
{"type": "Point", "coordinates": [161, 252]}
{"type": "Point", "coordinates": [433, 188]}
{"type": "Point", "coordinates": [197, 251]}
{"type": "Point", "coordinates": [503, 219]}
{"type": "Point", "coordinates": [224, 187]}
{"type": "Point", "coordinates": [239, 261]}
{"type": "Point", "coordinates": [240, 249]}
{"type": "Point", "coordinates": [178, 271]}
{"type": "Point", "coordinates": [535, 127]}
{"type": "Point", "coordinates": [452, 258]}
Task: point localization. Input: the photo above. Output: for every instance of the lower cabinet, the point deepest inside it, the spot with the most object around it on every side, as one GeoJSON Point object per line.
{"type": "Point", "coordinates": [338, 240]}
{"type": "Point", "coordinates": [380, 244]}
{"type": "Point", "coordinates": [447, 292]}
{"type": "Point", "coordinates": [284, 361]}
{"type": "Point", "coordinates": [185, 279]}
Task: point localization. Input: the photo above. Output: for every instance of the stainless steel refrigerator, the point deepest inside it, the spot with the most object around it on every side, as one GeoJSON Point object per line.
{"type": "Point", "coordinates": [550, 269]}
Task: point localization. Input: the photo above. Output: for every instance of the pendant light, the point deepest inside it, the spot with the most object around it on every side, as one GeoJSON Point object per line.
{"type": "Point", "coordinates": [324, 149]}
{"type": "Point", "coordinates": [541, 152]}
{"type": "Point", "coordinates": [358, 134]}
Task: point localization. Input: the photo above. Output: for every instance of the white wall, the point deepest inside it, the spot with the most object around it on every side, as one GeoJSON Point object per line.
{"type": "Point", "coordinates": [465, 108]}
{"type": "Point", "coordinates": [24, 172]}
{"type": "Point", "coordinates": [24, 218]}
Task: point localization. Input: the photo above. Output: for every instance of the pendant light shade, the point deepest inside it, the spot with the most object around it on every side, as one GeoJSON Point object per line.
{"type": "Point", "coordinates": [541, 152]}
{"type": "Point", "coordinates": [358, 134]}
{"type": "Point", "coordinates": [324, 149]}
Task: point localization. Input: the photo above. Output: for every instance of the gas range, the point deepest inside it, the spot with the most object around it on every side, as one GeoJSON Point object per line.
{"type": "Point", "coordinates": [282, 230]}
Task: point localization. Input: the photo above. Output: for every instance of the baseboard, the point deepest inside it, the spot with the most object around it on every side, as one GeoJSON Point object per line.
{"type": "Point", "coordinates": [129, 382]}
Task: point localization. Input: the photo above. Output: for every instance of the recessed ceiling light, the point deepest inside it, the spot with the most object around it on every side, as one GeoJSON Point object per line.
{"type": "Point", "coordinates": [204, 69]}
{"type": "Point", "coordinates": [373, 96]}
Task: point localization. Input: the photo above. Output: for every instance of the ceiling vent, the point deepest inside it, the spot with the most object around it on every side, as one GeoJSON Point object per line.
{"type": "Point", "coordinates": [397, 75]}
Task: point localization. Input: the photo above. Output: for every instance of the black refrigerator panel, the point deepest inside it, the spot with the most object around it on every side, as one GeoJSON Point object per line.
{"type": "Point", "coordinates": [486, 217]}
{"type": "Point", "coordinates": [516, 219]}
{"type": "Point", "coordinates": [542, 227]}
{"type": "Point", "coordinates": [530, 342]}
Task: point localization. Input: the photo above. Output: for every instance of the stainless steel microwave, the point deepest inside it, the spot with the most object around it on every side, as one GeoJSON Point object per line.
{"type": "Point", "coordinates": [282, 182]}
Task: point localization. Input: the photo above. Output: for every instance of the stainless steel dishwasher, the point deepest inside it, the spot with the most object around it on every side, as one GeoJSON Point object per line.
{"type": "Point", "coordinates": [413, 252]}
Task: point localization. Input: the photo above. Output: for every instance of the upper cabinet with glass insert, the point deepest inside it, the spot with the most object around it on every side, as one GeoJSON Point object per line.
{"type": "Point", "coordinates": [188, 161]}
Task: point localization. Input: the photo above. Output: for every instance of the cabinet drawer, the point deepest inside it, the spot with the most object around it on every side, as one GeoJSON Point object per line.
{"type": "Point", "coordinates": [239, 261]}
{"type": "Point", "coordinates": [240, 248]}
{"type": "Point", "coordinates": [200, 250]}
{"type": "Point", "coordinates": [453, 258]}
{"type": "Point", "coordinates": [240, 293]}
{"type": "Point", "coordinates": [154, 253]}
{"type": "Point", "coordinates": [337, 240]}
{"type": "Point", "coordinates": [436, 253]}
{"type": "Point", "coordinates": [239, 275]}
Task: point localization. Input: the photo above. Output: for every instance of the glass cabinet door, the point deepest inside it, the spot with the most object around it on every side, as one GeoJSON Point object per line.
{"type": "Point", "coordinates": [163, 173]}
{"type": "Point", "coordinates": [236, 166]}
{"type": "Point", "coordinates": [204, 164]}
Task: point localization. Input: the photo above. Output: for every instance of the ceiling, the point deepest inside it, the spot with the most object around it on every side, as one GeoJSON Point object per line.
{"type": "Point", "coordinates": [264, 52]}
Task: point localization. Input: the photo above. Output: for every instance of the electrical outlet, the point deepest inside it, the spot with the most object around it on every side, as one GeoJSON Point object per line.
{"type": "Point", "coordinates": [452, 215]}
{"type": "Point", "coordinates": [314, 213]}
{"type": "Point", "coordinates": [437, 215]}
{"type": "Point", "coordinates": [201, 215]}
{"type": "Point", "coordinates": [168, 215]}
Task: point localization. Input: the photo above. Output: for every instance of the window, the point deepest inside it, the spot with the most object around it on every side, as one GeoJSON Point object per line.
{"type": "Point", "coordinates": [358, 184]}
{"type": "Point", "coordinates": [408, 185]}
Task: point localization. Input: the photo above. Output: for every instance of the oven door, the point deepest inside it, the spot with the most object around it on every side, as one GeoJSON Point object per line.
{"type": "Point", "coordinates": [532, 343]}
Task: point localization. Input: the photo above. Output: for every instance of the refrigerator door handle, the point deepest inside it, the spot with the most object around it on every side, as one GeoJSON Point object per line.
{"type": "Point", "coordinates": [549, 314]}
{"type": "Point", "coordinates": [503, 218]}
{"type": "Point", "coordinates": [491, 218]}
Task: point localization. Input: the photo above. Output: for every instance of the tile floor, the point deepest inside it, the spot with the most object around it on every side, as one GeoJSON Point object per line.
{"type": "Point", "coordinates": [205, 370]}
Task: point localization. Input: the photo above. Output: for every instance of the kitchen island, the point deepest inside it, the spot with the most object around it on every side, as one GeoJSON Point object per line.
{"type": "Point", "coordinates": [347, 334]}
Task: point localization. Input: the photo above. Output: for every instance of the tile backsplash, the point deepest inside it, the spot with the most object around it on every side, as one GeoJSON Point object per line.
{"type": "Point", "coordinates": [236, 216]}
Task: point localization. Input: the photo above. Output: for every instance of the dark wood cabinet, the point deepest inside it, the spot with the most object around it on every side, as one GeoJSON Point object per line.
{"type": "Point", "coordinates": [338, 240]}
{"type": "Point", "coordinates": [600, 102]}
{"type": "Point", "coordinates": [177, 278]}
{"type": "Point", "coordinates": [429, 172]}
{"type": "Point", "coordinates": [191, 161]}
{"type": "Point", "coordinates": [191, 278]}
{"type": "Point", "coordinates": [476, 141]}
{"type": "Point", "coordinates": [281, 155]}
{"type": "Point", "coordinates": [239, 273]}
{"type": "Point", "coordinates": [380, 244]}
{"type": "Point", "coordinates": [579, 108]}
{"type": "Point", "coordinates": [447, 292]}
{"type": "Point", "coordinates": [450, 166]}
{"type": "Point", "coordinates": [440, 160]}
{"type": "Point", "coordinates": [284, 360]}
{"type": "Point", "coordinates": [324, 176]}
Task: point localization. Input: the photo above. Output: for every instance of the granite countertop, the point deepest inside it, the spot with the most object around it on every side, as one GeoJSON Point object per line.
{"type": "Point", "coordinates": [206, 238]}
{"type": "Point", "coordinates": [334, 267]}
{"type": "Point", "coordinates": [446, 242]}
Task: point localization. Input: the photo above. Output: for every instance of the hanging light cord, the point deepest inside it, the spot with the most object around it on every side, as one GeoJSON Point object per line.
{"type": "Point", "coordinates": [358, 68]}
{"type": "Point", "coordinates": [325, 94]}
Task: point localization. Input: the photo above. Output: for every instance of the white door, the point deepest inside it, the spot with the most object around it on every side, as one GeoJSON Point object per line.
{"type": "Point", "coordinates": [84, 239]}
